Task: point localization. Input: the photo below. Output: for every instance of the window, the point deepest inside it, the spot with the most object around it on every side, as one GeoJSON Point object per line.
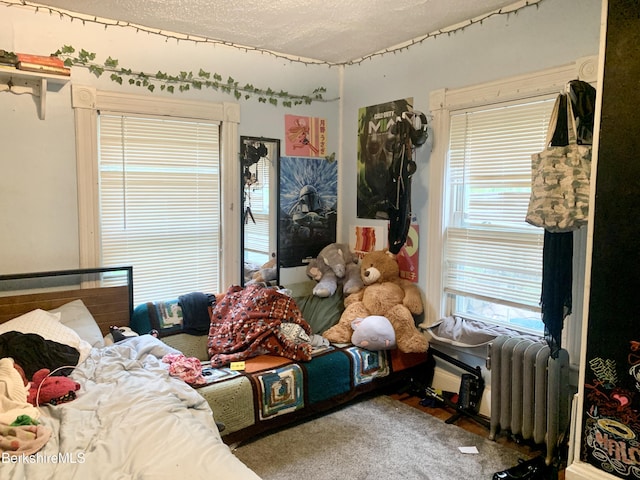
{"type": "Point", "coordinates": [160, 202]}
{"type": "Point", "coordinates": [154, 190]}
{"type": "Point", "coordinates": [493, 259]}
{"type": "Point", "coordinates": [483, 260]}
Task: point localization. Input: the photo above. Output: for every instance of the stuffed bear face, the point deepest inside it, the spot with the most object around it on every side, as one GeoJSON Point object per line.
{"type": "Point", "coordinates": [379, 266]}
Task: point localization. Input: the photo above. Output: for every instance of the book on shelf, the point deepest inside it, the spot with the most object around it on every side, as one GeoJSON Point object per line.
{"type": "Point", "coordinates": [34, 67]}
{"type": "Point", "coordinates": [51, 60]}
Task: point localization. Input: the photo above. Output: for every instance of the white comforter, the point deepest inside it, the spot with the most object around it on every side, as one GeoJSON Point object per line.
{"type": "Point", "coordinates": [131, 420]}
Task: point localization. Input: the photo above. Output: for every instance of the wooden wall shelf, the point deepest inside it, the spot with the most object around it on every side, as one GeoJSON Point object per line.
{"type": "Point", "coordinates": [33, 83]}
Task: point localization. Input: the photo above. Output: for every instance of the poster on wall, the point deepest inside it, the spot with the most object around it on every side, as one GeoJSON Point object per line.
{"type": "Point", "coordinates": [375, 153]}
{"type": "Point", "coordinates": [611, 405]}
{"type": "Point", "coordinates": [364, 239]}
{"type": "Point", "coordinates": [307, 208]}
{"type": "Point", "coordinates": [407, 257]}
{"type": "Point", "coordinates": [305, 136]}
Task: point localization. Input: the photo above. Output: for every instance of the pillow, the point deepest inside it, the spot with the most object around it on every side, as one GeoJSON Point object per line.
{"type": "Point", "coordinates": [320, 313]}
{"type": "Point", "coordinates": [48, 326]}
{"type": "Point", "coordinates": [77, 317]}
{"type": "Point", "coordinates": [374, 332]}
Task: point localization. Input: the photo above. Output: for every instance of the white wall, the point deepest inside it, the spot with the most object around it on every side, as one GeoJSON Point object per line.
{"type": "Point", "coordinates": [38, 205]}
{"type": "Point", "coordinates": [555, 32]}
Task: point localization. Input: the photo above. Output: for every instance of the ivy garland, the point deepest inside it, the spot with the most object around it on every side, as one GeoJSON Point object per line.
{"type": "Point", "coordinates": [184, 81]}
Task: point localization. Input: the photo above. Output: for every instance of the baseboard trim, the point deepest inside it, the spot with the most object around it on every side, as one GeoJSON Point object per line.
{"type": "Point", "coordinates": [585, 471]}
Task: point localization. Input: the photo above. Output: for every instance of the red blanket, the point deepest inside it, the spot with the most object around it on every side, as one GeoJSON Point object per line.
{"type": "Point", "coordinates": [245, 323]}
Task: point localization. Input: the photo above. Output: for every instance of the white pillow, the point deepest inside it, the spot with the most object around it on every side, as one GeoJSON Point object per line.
{"type": "Point", "coordinates": [77, 317]}
{"type": "Point", "coordinates": [48, 326]}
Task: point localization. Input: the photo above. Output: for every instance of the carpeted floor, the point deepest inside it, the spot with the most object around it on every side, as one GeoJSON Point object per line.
{"type": "Point", "coordinates": [377, 438]}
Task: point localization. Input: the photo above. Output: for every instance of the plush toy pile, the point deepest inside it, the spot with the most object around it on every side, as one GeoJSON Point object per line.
{"type": "Point", "coordinates": [384, 294]}
{"type": "Point", "coordinates": [335, 265]}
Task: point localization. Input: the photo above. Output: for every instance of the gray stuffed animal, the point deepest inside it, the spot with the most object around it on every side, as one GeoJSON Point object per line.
{"type": "Point", "coordinates": [334, 265]}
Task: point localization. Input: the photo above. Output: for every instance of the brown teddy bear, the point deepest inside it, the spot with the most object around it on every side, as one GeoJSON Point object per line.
{"type": "Point", "coordinates": [386, 294]}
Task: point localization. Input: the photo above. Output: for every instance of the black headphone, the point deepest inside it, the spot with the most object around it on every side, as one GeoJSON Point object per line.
{"type": "Point", "coordinates": [419, 131]}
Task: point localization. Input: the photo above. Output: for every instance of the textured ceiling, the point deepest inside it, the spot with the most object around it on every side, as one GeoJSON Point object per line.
{"type": "Point", "coordinates": [334, 31]}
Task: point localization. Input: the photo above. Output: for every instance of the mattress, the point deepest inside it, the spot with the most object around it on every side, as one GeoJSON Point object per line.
{"type": "Point", "coordinates": [274, 391]}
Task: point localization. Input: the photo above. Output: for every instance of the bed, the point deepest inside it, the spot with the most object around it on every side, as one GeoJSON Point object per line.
{"type": "Point", "coordinates": [272, 391]}
{"type": "Point", "coordinates": [130, 419]}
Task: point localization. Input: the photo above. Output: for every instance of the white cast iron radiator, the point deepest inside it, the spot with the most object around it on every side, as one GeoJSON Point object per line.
{"type": "Point", "coordinates": [530, 394]}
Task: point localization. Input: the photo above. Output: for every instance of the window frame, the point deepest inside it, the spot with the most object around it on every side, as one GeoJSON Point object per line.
{"type": "Point", "coordinates": [444, 101]}
{"type": "Point", "coordinates": [87, 101]}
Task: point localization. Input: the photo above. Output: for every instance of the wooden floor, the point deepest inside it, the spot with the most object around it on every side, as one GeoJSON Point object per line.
{"type": "Point", "coordinates": [444, 413]}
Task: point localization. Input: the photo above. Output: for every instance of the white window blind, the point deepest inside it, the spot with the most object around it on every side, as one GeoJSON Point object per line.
{"type": "Point", "coordinates": [160, 203]}
{"type": "Point", "coordinates": [491, 253]}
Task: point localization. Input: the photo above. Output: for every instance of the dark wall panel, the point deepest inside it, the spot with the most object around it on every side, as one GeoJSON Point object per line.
{"type": "Point", "coordinates": [611, 417]}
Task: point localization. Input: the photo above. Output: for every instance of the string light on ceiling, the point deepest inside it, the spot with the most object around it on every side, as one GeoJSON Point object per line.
{"type": "Point", "coordinates": [64, 14]}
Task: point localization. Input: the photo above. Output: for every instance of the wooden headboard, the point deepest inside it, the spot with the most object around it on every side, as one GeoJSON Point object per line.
{"type": "Point", "coordinates": [106, 292]}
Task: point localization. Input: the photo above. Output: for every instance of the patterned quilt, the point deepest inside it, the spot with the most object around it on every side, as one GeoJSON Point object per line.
{"type": "Point", "coordinates": [274, 391]}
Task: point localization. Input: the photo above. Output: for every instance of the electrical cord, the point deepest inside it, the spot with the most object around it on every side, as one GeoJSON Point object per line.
{"type": "Point", "coordinates": [37, 405]}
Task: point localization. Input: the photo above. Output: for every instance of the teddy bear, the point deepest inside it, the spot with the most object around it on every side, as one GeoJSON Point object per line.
{"type": "Point", "coordinates": [50, 389]}
{"type": "Point", "coordinates": [334, 265]}
{"type": "Point", "coordinates": [385, 294]}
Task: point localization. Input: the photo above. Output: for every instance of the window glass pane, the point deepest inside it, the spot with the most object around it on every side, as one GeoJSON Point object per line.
{"type": "Point", "coordinates": [518, 318]}
{"type": "Point", "coordinates": [160, 203]}
{"type": "Point", "coordinates": [493, 258]}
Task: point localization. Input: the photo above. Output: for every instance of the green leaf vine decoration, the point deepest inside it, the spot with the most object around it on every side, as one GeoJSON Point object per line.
{"type": "Point", "coordinates": [184, 81]}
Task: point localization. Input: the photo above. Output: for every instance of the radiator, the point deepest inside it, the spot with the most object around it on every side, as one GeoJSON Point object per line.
{"type": "Point", "coordinates": [530, 394]}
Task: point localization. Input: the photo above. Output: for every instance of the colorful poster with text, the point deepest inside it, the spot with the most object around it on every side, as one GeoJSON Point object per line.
{"type": "Point", "coordinates": [305, 136]}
